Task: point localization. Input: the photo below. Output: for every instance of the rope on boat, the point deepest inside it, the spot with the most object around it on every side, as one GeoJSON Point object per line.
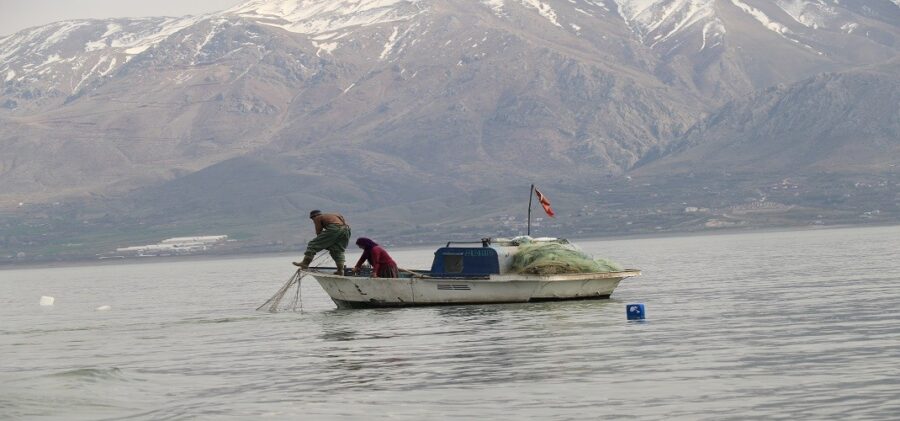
{"type": "Point", "coordinates": [415, 274]}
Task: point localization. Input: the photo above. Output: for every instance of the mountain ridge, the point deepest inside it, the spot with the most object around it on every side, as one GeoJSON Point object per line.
{"type": "Point", "coordinates": [328, 24]}
{"type": "Point", "coordinates": [840, 122]}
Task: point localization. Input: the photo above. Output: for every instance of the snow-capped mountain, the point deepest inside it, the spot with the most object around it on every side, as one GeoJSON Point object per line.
{"type": "Point", "coordinates": [659, 21]}
{"type": "Point", "coordinates": [328, 20]}
{"type": "Point", "coordinates": [65, 57]}
{"type": "Point", "coordinates": [458, 92]}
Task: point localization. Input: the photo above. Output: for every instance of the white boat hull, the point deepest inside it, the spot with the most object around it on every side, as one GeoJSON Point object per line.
{"type": "Point", "coordinates": [355, 291]}
{"type": "Point", "coordinates": [573, 286]}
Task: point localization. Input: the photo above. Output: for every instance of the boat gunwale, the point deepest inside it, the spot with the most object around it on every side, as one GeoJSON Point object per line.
{"type": "Point", "coordinates": [627, 273]}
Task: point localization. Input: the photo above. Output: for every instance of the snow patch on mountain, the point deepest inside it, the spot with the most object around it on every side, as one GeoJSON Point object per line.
{"type": "Point", "coordinates": [327, 21]}
{"type": "Point", "coordinates": [813, 20]}
{"type": "Point", "coordinates": [810, 14]}
{"type": "Point", "coordinates": [764, 19]}
{"type": "Point", "coordinates": [136, 43]}
{"type": "Point", "coordinates": [834, 15]}
{"type": "Point", "coordinates": [658, 21]}
{"type": "Point", "coordinates": [712, 34]}
{"type": "Point", "coordinates": [497, 5]}
{"type": "Point", "coordinates": [112, 28]}
{"type": "Point", "coordinates": [66, 55]}
{"type": "Point", "coordinates": [389, 45]}
{"type": "Point", "coordinates": [543, 9]}
{"type": "Point", "coordinates": [62, 32]}
{"type": "Point", "coordinates": [214, 28]}
{"type": "Point", "coordinates": [314, 17]}
{"type": "Point", "coordinates": [850, 27]}
{"type": "Point", "coordinates": [665, 23]}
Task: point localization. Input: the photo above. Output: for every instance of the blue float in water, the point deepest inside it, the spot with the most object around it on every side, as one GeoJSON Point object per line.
{"type": "Point", "coordinates": [635, 311]}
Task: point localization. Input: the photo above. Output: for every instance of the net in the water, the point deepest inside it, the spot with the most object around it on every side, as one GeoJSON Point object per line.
{"type": "Point", "coordinates": [552, 258]}
{"type": "Point", "coordinates": [290, 289]}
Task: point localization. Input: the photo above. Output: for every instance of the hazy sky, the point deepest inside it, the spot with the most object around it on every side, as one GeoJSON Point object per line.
{"type": "Point", "coordinates": [20, 14]}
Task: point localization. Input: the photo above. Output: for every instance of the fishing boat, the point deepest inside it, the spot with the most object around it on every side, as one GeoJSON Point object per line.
{"type": "Point", "coordinates": [468, 273]}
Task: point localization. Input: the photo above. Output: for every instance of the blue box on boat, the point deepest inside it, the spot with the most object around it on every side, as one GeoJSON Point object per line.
{"type": "Point", "coordinates": [635, 311]}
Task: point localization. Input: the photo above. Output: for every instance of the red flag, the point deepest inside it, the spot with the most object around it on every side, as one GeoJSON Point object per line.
{"type": "Point", "coordinates": [545, 203]}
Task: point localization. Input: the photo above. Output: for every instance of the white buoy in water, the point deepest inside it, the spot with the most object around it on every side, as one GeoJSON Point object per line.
{"type": "Point", "coordinates": [104, 308]}
{"type": "Point", "coordinates": [47, 301]}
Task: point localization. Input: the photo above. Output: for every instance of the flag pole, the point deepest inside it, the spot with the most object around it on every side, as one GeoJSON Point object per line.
{"type": "Point", "coordinates": [530, 196]}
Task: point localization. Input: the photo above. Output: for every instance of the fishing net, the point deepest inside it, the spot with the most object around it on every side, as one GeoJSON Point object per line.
{"type": "Point", "coordinates": [291, 288]}
{"type": "Point", "coordinates": [552, 258]}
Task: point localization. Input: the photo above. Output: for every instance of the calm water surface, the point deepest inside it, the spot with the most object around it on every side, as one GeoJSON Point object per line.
{"type": "Point", "coordinates": [747, 326]}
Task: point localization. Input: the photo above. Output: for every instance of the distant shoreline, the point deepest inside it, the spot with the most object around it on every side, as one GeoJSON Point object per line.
{"type": "Point", "coordinates": [288, 255]}
{"type": "Point", "coordinates": [728, 231]}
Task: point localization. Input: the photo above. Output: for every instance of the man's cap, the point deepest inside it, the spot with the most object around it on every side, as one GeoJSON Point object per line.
{"type": "Point", "coordinates": [315, 213]}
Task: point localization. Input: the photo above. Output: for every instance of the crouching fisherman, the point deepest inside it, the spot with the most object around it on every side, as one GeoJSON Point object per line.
{"type": "Point", "coordinates": [382, 264]}
{"type": "Point", "coordinates": [332, 234]}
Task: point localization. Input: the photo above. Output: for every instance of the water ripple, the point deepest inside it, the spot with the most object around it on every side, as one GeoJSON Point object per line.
{"type": "Point", "coordinates": [750, 326]}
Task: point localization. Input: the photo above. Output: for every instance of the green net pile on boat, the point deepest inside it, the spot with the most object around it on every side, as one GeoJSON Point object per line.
{"type": "Point", "coordinates": [555, 258]}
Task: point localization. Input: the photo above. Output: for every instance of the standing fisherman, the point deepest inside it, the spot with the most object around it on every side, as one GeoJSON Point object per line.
{"type": "Point", "coordinates": [332, 234]}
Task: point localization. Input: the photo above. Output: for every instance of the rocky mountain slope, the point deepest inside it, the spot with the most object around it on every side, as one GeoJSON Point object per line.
{"type": "Point", "coordinates": [392, 106]}
{"type": "Point", "coordinates": [834, 122]}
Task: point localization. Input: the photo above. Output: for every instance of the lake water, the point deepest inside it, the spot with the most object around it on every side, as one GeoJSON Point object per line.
{"type": "Point", "coordinates": [799, 325]}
